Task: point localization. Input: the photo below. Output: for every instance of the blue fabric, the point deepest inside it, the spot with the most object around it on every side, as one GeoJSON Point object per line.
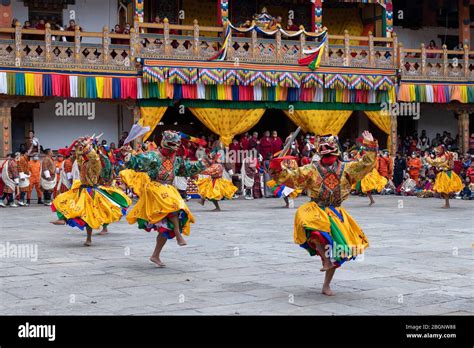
{"type": "Point", "coordinates": [116, 88]}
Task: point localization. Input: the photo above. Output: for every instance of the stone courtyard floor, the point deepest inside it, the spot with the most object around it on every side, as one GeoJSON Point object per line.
{"type": "Point", "coordinates": [242, 261]}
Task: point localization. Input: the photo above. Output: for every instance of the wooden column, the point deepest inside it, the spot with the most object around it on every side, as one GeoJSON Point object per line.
{"type": "Point", "coordinates": [463, 123]}
{"type": "Point", "coordinates": [464, 22]}
{"type": "Point", "coordinates": [6, 129]}
{"type": "Point", "coordinates": [393, 135]}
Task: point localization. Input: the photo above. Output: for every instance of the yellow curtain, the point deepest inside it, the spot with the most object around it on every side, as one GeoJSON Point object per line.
{"type": "Point", "coordinates": [320, 122]}
{"type": "Point", "coordinates": [151, 116]}
{"type": "Point", "coordinates": [227, 123]}
{"type": "Point", "coordinates": [383, 121]}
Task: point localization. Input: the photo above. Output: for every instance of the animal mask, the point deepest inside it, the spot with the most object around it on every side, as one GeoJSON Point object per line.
{"type": "Point", "coordinates": [171, 140]}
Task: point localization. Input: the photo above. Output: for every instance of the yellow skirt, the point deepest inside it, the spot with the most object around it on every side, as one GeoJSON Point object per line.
{"type": "Point", "coordinates": [373, 181]}
{"type": "Point", "coordinates": [331, 227]}
{"type": "Point", "coordinates": [215, 190]}
{"type": "Point", "coordinates": [91, 206]}
{"type": "Point", "coordinates": [155, 205]}
{"type": "Point", "coordinates": [134, 180]}
{"type": "Point", "coordinates": [447, 182]}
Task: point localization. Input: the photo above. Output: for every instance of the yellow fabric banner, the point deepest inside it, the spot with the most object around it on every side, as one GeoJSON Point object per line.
{"type": "Point", "coordinates": [320, 122]}
{"type": "Point", "coordinates": [227, 123]}
{"type": "Point", "coordinates": [151, 116]}
{"type": "Point", "coordinates": [383, 121]}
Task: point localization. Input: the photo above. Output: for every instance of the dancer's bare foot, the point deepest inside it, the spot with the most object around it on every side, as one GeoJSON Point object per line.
{"type": "Point", "coordinates": [327, 291]}
{"type": "Point", "coordinates": [216, 209]}
{"type": "Point", "coordinates": [202, 201]}
{"type": "Point", "coordinates": [59, 222]}
{"type": "Point", "coordinates": [446, 206]}
{"type": "Point", "coordinates": [157, 261]}
{"type": "Point", "coordinates": [88, 243]}
{"type": "Point", "coordinates": [181, 241]}
{"type": "Point", "coordinates": [371, 203]}
{"type": "Point", "coordinates": [103, 232]}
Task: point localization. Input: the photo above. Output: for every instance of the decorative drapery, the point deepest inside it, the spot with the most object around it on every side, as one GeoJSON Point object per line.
{"type": "Point", "coordinates": [383, 121]}
{"type": "Point", "coordinates": [436, 93]}
{"type": "Point", "coordinates": [320, 122]}
{"type": "Point", "coordinates": [151, 116]}
{"type": "Point", "coordinates": [227, 123]}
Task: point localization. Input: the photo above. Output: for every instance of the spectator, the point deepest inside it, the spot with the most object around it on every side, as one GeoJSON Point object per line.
{"type": "Point", "coordinates": [266, 145]}
{"type": "Point", "coordinates": [414, 166]}
{"type": "Point", "coordinates": [399, 168]}
{"type": "Point", "coordinates": [122, 139]}
{"type": "Point", "coordinates": [117, 30]}
{"type": "Point", "coordinates": [254, 142]}
{"type": "Point", "coordinates": [277, 143]}
{"type": "Point", "coordinates": [291, 26]}
{"type": "Point", "coordinates": [424, 141]}
{"type": "Point", "coordinates": [431, 46]}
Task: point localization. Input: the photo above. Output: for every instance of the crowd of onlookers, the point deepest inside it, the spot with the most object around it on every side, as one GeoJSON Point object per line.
{"type": "Point", "coordinates": [249, 155]}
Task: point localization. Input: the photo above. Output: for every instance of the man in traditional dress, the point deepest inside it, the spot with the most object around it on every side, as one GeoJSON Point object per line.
{"type": "Point", "coordinates": [11, 179]}
{"type": "Point", "coordinates": [88, 205]}
{"type": "Point", "coordinates": [65, 174]}
{"type": "Point", "coordinates": [24, 175]}
{"type": "Point", "coordinates": [322, 226]}
{"type": "Point", "coordinates": [32, 144]}
{"type": "Point", "coordinates": [414, 166]}
{"type": "Point", "coordinates": [35, 174]}
{"type": "Point", "coordinates": [160, 206]}
{"type": "Point", "coordinates": [447, 181]}
{"type": "Point", "coordinates": [48, 177]}
{"type": "Point", "coordinates": [213, 186]}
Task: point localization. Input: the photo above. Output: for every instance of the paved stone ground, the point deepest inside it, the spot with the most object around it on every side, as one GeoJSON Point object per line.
{"type": "Point", "coordinates": [243, 261]}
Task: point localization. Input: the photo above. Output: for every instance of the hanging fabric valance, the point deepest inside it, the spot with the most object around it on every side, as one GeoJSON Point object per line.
{"type": "Point", "coordinates": [228, 123]}
{"type": "Point", "coordinates": [320, 122]}
{"type": "Point", "coordinates": [151, 116]}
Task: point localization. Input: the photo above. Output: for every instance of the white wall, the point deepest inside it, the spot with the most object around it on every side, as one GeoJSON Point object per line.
{"type": "Point", "coordinates": [55, 132]}
{"type": "Point", "coordinates": [93, 15]}
{"type": "Point", "coordinates": [414, 38]}
{"type": "Point", "coordinates": [90, 15]}
{"type": "Point", "coordinates": [436, 120]}
{"type": "Point", "coordinates": [20, 11]}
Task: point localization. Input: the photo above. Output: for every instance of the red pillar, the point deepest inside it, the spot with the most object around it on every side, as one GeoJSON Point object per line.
{"type": "Point", "coordinates": [464, 22]}
{"type": "Point", "coordinates": [219, 13]}
{"type": "Point", "coordinates": [6, 16]}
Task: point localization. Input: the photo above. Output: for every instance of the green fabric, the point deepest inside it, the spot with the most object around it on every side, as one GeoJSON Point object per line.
{"type": "Point", "coordinates": [11, 81]}
{"type": "Point", "coordinates": [20, 86]}
{"type": "Point", "coordinates": [246, 105]}
{"type": "Point", "coordinates": [116, 197]}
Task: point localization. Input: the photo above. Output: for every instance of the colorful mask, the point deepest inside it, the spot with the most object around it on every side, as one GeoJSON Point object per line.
{"type": "Point", "coordinates": [328, 145]}
{"type": "Point", "coordinates": [171, 140]}
{"type": "Point", "coordinates": [440, 150]}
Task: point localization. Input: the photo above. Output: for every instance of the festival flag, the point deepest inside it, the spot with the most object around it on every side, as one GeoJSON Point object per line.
{"type": "Point", "coordinates": [313, 60]}
{"type": "Point", "coordinates": [136, 132]}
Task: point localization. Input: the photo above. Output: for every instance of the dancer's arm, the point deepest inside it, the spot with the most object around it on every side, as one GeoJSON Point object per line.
{"type": "Point", "coordinates": [189, 168]}
{"type": "Point", "coordinates": [358, 169]}
{"type": "Point", "coordinates": [289, 172]}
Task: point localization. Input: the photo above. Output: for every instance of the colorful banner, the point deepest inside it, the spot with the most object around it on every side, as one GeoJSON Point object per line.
{"type": "Point", "coordinates": [424, 92]}
{"type": "Point", "coordinates": [68, 86]}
